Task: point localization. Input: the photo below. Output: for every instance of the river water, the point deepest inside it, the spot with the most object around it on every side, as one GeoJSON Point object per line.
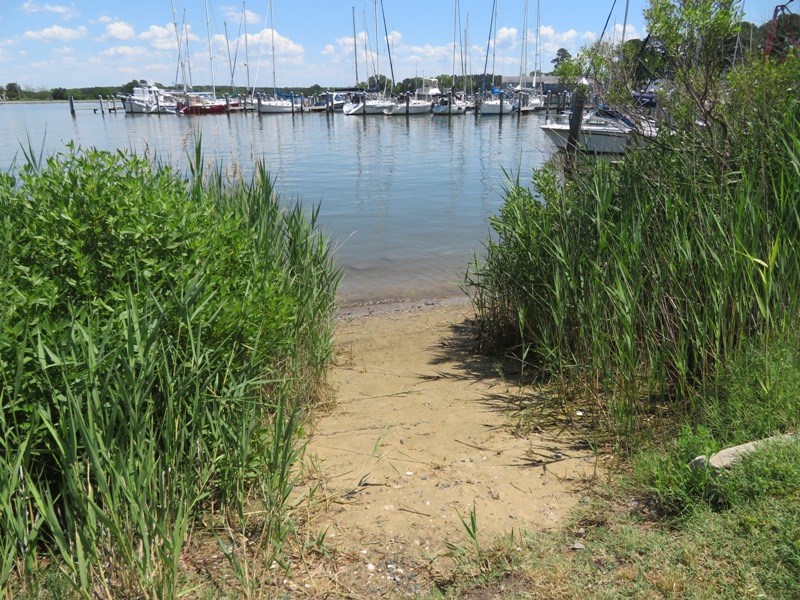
{"type": "Point", "coordinates": [407, 200]}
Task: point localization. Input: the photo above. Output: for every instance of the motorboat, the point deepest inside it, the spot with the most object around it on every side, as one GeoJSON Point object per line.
{"type": "Point", "coordinates": [603, 131]}
{"type": "Point", "coordinates": [149, 99]}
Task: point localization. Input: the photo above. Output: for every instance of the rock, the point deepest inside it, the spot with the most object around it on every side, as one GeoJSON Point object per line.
{"type": "Point", "coordinates": [577, 546]}
{"type": "Point", "coordinates": [725, 458]}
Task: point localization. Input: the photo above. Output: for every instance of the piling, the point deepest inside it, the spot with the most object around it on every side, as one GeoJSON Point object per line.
{"type": "Point", "coordinates": [102, 110]}
{"type": "Point", "coordinates": [575, 120]}
{"type": "Point", "coordinates": [450, 106]}
{"type": "Point", "coordinates": [547, 100]}
{"type": "Point", "coordinates": [71, 106]}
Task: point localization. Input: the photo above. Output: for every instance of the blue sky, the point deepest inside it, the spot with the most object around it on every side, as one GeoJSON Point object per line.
{"type": "Point", "coordinates": [55, 43]}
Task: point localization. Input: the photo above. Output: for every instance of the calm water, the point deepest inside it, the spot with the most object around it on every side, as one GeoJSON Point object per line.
{"type": "Point", "coordinates": [407, 200]}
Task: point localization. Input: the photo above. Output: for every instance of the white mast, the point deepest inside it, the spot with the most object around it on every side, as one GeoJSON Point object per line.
{"type": "Point", "coordinates": [210, 53]}
{"type": "Point", "coordinates": [272, 29]}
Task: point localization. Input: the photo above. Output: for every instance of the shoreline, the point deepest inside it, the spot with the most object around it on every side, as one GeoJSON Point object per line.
{"type": "Point", "coordinates": [403, 305]}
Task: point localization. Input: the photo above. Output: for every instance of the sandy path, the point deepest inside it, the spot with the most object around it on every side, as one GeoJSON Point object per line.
{"type": "Point", "coordinates": [418, 435]}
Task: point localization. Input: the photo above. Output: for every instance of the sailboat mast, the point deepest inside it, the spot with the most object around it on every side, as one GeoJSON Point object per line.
{"type": "Point", "coordinates": [210, 52]}
{"type": "Point", "coordinates": [272, 29]}
{"type": "Point", "coordinates": [355, 45]}
{"type": "Point", "coordinates": [377, 50]}
{"type": "Point", "coordinates": [488, 45]}
{"type": "Point", "coordinates": [625, 21]}
{"type": "Point", "coordinates": [537, 60]}
{"type": "Point", "coordinates": [246, 53]}
{"type": "Point", "coordinates": [180, 64]}
{"type": "Point", "coordinates": [523, 61]}
{"type": "Point", "coordinates": [388, 48]}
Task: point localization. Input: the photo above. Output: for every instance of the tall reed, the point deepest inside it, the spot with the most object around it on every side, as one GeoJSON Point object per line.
{"type": "Point", "coordinates": [159, 338]}
{"type": "Point", "coordinates": [650, 273]}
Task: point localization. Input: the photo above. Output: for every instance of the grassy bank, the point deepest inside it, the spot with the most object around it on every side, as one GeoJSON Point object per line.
{"type": "Point", "coordinates": [161, 337]}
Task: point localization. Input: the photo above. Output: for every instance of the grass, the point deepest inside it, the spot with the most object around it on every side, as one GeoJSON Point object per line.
{"type": "Point", "coordinates": [161, 338]}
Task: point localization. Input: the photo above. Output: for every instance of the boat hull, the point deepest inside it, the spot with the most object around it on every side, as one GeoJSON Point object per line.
{"type": "Point", "coordinates": [495, 107]}
{"type": "Point", "coordinates": [596, 139]}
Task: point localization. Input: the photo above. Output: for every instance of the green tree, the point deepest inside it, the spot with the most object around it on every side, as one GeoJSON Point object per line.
{"type": "Point", "coordinates": [59, 93]}
{"type": "Point", "coordinates": [562, 56]}
{"type": "Point", "coordinates": [128, 87]}
{"type": "Point", "coordinates": [13, 91]}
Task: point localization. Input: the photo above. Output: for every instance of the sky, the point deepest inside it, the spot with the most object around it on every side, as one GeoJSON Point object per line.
{"type": "Point", "coordinates": [57, 43]}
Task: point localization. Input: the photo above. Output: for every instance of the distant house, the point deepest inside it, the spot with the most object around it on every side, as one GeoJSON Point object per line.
{"type": "Point", "coordinates": [548, 83]}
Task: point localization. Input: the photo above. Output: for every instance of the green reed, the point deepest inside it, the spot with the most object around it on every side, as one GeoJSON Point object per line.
{"type": "Point", "coordinates": [159, 339]}
{"type": "Point", "coordinates": [641, 278]}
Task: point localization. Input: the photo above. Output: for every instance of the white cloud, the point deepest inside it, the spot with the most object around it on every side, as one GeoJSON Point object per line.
{"type": "Point", "coordinates": [328, 50]}
{"type": "Point", "coordinates": [102, 20]}
{"type": "Point", "coordinates": [163, 38]}
{"type": "Point", "coordinates": [132, 51]}
{"type": "Point", "coordinates": [65, 12]}
{"type": "Point", "coordinates": [284, 47]}
{"type": "Point", "coordinates": [233, 14]}
{"type": "Point", "coordinates": [506, 37]}
{"type": "Point", "coordinates": [118, 31]}
{"type": "Point", "coordinates": [56, 32]}
{"type": "Point", "coordinates": [630, 33]}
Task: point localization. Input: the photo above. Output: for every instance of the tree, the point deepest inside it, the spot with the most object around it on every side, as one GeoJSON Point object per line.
{"type": "Point", "coordinates": [128, 87]}
{"type": "Point", "coordinates": [562, 55]}
{"type": "Point", "coordinates": [59, 94]}
{"type": "Point", "coordinates": [13, 91]}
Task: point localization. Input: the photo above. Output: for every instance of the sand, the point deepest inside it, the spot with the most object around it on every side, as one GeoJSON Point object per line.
{"type": "Point", "coordinates": [420, 436]}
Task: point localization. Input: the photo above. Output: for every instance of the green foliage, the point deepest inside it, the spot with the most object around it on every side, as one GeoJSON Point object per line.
{"type": "Point", "coordinates": [159, 338]}
{"type": "Point", "coordinates": [641, 288]}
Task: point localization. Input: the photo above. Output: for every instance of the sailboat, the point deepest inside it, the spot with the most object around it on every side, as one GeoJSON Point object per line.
{"type": "Point", "coordinates": [450, 105]}
{"type": "Point", "coordinates": [364, 103]}
{"type": "Point", "coordinates": [205, 103]}
{"type": "Point", "coordinates": [275, 105]}
{"type": "Point", "coordinates": [529, 99]}
{"type": "Point", "coordinates": [497, 103]}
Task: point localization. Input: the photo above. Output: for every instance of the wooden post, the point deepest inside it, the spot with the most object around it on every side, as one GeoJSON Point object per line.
{"type": "Point", "coordinates": [102, 110]}
{"type": "Point", "coordinates": [158, 105]}
{"type": "Point", "coordinates": [450, 106]}
{"type": "Point", "coordinates": [71, 106]}
{"type": "Point", "coordinates": [292, 93]}
{"type": "Point", "coordinates": [408, 101]}
{"type": "Point", "coordinates": [575, 120]}
{"type": "Point", "coordinates": [547, 99]}
{"type": "Point", "coordinates": [259, 104]}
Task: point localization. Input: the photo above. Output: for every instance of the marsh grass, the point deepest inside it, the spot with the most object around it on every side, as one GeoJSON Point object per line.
{"type": "Point", "coordinates": [161, 338]}
{"type": "Point", "coordinates": [640, 278]}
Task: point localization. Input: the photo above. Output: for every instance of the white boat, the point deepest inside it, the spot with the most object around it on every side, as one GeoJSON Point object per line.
{"type": "Point", "coordinates": [409, 106]}
{"type": "Point", "coordinates": [445, 107]}
{"type": "Point", "coordinates": [149, 99]}
{"type": "Point", "coordinates": [275, 106]}
{"type": "Point", "coordinates": [496, 106]}
{"type": "Point", "coordinates": [361, 105]}
{"type": "Point", "coordinates": [602, 132]}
